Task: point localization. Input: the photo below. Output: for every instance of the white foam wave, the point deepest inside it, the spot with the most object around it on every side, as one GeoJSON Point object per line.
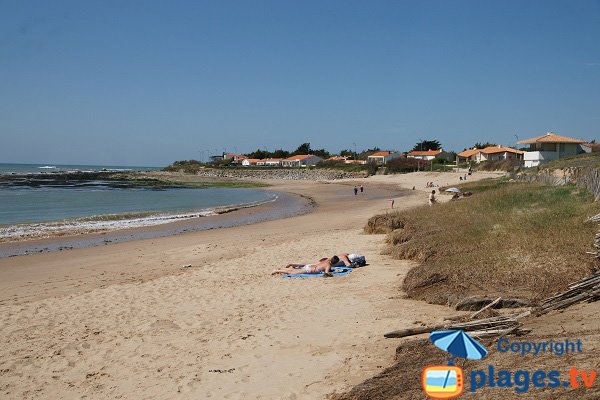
{"type": "Point", "coordinates": [109, 222]}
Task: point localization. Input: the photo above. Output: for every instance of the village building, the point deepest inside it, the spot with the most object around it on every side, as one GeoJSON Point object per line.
{"type": "Point", "coordinates": [248, 162]}
{"type": "Point", "coordinates": [301, 160]}
{"type": "Point", "coordinates": [492, 153]}
{"type": "Point", "coordinates": [467, 155]}
{"type": "Point", "coordinates": [550, 147]}
{"type": "Point", "coordinates": [235, 158]}
{"type": "Point", "coordinates": [382, 157]}
{"type": "Point", "coordinates": [269, 162]}
{"type": "Point", "coordinates": [427, 155]}
{"type": "Point", "coordinates": [338, 159]}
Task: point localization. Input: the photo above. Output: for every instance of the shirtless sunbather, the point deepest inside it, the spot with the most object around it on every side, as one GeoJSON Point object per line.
{"type": "Point", "coordinates": [344, 259]}
{"type": "Point", "coordinates": [321, 266]}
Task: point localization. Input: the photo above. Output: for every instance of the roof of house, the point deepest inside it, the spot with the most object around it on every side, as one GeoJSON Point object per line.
{"type": "Point", "coordinates": [252, 160]}
{"type": "Point", "coordinates": [468, 153]}
{"type": "Point", "coordinates": [271, 159]}
{"type": "Point", "coordinates": [500, 149]}
{"type": "Point", "coordinates": [337, 158]}
{"type": "Point", "coordinates": [425, 153]}
{"type": "Point", "coordinates": [299, 157]}
{"type": "Point", "coordinates": [381, 154]}
{"type": "Point", "coordinates": [550, 137]}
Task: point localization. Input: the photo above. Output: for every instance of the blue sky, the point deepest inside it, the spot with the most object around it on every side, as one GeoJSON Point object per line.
{"type": "Point", "coordinates": [148, 82]}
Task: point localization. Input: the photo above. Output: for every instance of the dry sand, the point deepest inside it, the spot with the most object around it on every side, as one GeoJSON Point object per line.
{"type": "Point", "coordinates": [128, 321]}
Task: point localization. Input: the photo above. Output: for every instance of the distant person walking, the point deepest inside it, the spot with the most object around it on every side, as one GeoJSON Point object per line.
{"type": "Point", "coordinates": [362, 189]}
{"type": "Point", "coordinates": [392, 203]}
{"type": "Point", "coordinates": [432, 199]}
{"type": "Point", "coordinates": [355, 190]}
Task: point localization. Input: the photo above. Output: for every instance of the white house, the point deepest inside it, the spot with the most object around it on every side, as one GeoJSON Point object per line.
{"type": "Point", "coordinates": [427, 155]}
{"type": "Point", "coordinates": [551, 147]}
{"type": "Point", "coordinates": [382, 157]}
{"type": "Point", "coordinates": [301, 160]}
{"type": "Point", "coordinates": [492, 153]}
{"type": "Point", "coordinates": [467, 155]}
{"type": "Point", "coordinates": [269, 162]}
{"type": "Point", "coordinates": [249, 162]}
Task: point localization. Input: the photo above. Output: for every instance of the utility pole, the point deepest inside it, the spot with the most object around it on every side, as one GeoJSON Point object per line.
{"type": "Point", "coordinates": [355, 154]}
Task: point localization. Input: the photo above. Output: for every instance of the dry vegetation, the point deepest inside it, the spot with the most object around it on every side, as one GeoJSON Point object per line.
{"type": "Point", "coordinates": [402, 380]}
{"type": "Point", "coordinates": [508, 239]}
{"type": "Point", "coordinates": [501, 165]}
{"type": "Point", "coordinates": [587, 160]}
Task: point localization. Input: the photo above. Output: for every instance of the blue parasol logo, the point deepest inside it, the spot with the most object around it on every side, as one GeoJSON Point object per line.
{"type": "Point", "coordinates": [458, 343]}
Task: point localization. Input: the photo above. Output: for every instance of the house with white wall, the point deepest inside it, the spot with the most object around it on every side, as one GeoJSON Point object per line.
{"type": "Point", "coordinates": [550, 147]}
{"type": "Point", "coordinates": [467, 155]}
{"type": "Point", "coordinates": [301, 160]}
{"type": "Point", "coordinates": [492, 153]}
{"type": "Point", "coordinates": [248, 162]}
{"type": "Point", "coordinates": [269, 162]}
{"type": "Point", "coordinates": [427, 155]}
{"type": "Point", "coordinates": [382, 157]}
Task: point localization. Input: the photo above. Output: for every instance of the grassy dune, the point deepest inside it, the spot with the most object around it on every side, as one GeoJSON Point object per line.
{"type": "Point", "coordinates": [509, 239]}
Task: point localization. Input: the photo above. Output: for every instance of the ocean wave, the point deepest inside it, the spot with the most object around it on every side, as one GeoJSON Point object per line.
{"type": "Point", "coordinates": [110, 222]}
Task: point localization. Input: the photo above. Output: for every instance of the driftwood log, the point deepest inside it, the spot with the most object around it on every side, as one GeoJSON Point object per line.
{"type": "Point", "coordinates": [481, 326]}
{"type": "Point", "coordinates": [492, 304]}
{"type": "Point", "coordinates": [587, 289]}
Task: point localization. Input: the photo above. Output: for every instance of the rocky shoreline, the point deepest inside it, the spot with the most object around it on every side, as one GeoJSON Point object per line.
{"type": "Point", "coordinates": [146, 177]}
{"type": "Point", "coordinates": [313, 174]}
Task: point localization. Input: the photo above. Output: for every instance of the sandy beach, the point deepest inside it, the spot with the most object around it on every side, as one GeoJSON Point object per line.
{"type": "Point", "coordinates": [128, 320]}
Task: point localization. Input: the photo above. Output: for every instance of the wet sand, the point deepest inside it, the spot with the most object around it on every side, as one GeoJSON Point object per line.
{"type": "Point", "coordinates": [286, 205]}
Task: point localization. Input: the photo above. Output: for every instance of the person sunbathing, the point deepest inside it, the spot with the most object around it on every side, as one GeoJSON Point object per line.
{"type": "Point", "coordinates": [317, 268]}
{"type": "Point", "coordinates": [347, 260]}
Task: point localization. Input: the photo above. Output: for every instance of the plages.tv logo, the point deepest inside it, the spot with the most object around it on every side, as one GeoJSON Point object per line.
{"type": "Point", "coordinates": [447, 381]}
{"type": "Point", "coordinates": [442, 381]}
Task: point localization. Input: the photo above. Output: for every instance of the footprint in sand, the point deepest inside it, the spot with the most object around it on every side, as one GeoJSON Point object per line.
{"type": "Point", "coordinates": [164, 325]}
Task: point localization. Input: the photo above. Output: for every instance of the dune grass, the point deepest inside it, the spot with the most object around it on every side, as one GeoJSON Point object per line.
{"type": "Point", "coordinates": [508, 239]}
{"type": "Point", "coordinates": [587, 160]}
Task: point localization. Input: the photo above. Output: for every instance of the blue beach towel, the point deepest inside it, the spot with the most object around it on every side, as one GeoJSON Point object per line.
{"type": "Point", "coordinates": [335, 271]}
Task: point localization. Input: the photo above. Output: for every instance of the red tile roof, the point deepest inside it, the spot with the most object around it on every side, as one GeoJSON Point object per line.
{"type": "Point", "coordinates": [298, 157]}
{"type": "Point", "coordinates": [425, 153]}
{"type": "Point", "coordinates": [550, 137]}
{"type": "Point", "coordinates": [381, 154]}
{"type": "Point", "coordinates": [468, 153]}
{"type": "Point", "coordinates": [501, 149]}
{"type": "Point", "coordinates": [337, 158]}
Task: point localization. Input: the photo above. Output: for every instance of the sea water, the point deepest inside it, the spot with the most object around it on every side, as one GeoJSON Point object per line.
{"type": "Point", "coordinates": [21, 169]}
{"type": "Point", "coordinates": [43, 210]}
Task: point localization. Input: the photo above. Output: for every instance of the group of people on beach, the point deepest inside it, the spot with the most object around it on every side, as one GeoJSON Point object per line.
{"type": "Point", "coordinates": [324, 265]}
